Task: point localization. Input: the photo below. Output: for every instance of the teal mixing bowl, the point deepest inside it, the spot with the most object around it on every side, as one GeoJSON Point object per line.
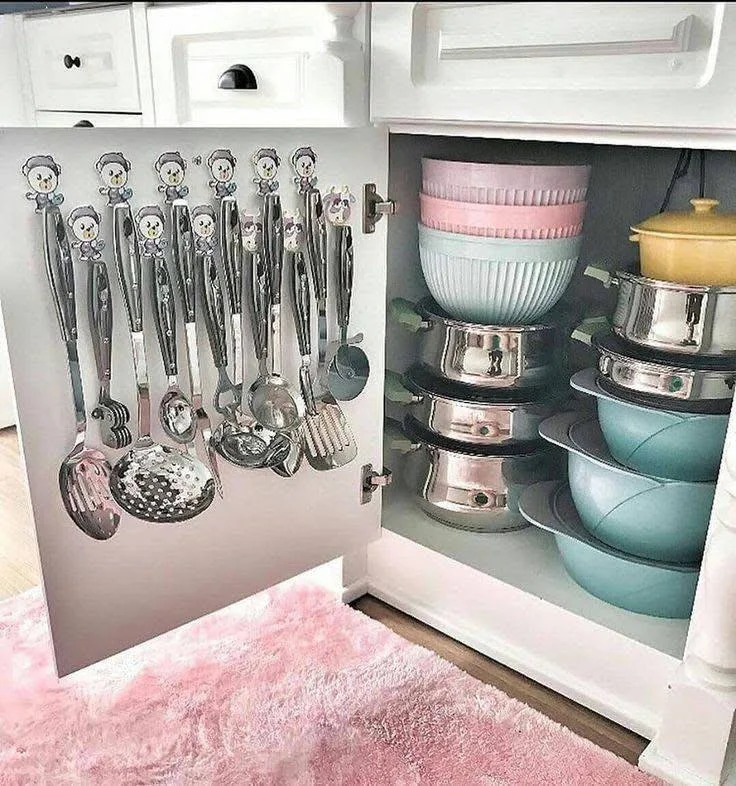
{"type": "Point", "coordinates": [659, 589]}
{"type": "Point", "coordinates": [663, 520]}
{"type": "Point", "coordinates": [659, 442]}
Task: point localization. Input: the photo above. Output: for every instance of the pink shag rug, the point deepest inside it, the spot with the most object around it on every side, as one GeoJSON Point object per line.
{"type": "Point", "coordinates": [288, 687]}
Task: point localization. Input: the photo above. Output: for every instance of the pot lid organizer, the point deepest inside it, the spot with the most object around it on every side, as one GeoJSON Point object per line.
{"type": "Point", "coordinates": [498, 246]}
{"type": "Point", "coordinates": [631, 520]}
{"type": "Point", "coordinates": [194, 264]}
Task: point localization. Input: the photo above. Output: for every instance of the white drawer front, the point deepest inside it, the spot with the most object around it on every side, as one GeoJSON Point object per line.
{"type": "Point", "coordinates": [618, 64]}
{"type": "Point", "coordinates": [98, 120]}
{"type": "Point", "coordinates": [300, 82]}
{"type": "Point", "coordinates": [101, 42]}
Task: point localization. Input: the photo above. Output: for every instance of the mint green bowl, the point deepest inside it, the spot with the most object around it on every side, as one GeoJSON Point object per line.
{"type": "Point", "coordinates": [659, 589]}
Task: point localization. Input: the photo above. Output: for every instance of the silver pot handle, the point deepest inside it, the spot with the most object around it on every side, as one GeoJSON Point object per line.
{"type": "Point", "coordinates": [606, 278]}
{"type": "Point", "coordinates": [394, 390]}
{"type": "Point", "coordinates": [585, 331]}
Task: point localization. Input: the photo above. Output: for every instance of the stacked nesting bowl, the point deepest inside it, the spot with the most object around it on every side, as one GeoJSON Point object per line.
{"type": "Point", "coordinates": [498, 245]}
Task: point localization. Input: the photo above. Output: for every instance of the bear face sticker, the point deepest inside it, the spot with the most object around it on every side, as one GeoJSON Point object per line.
{"type": "Point", "coordinates": [171, 169]}
{"type": "Point", "coordinates": [304, 164]}
{"type": "Point", "coordinates": [266, 163]}
{"type": "Point", "coordinates": [338, 206]}
{"type": "Point", "coordinates": [204, 224]}
{"type": "Point", "coordinates": [221, 163]}
{"type": "Point", "coordinates": [42, 175]}
{"type": "Point", "coordinates": [151, 223]}
{"type": "Point", "coordinates": [84, 222]}
{"type": "Point", "coordinates": [113, 169]}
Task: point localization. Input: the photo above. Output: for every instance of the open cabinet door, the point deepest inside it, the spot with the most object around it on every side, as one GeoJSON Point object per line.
{"type": "Point", "coordinates": [104, 596]}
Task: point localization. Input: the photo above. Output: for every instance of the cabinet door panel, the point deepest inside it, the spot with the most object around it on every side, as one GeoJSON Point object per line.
{"type": "Point", "coordinates": [605, 64]}
{"type": "Point", "coordinates": [106, 596]}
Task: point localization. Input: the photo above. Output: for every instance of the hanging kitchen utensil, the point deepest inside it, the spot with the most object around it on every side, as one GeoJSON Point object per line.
{"type": "Point", "coordinates": [84, 222]}
{"type": "Point", "coordinates": [183, 253]}
{"type": "Point", "coordinates": [274, 402]}
{"type": "Point", "coordinates": [175, 411]}
{"type": "Point", "coordinates": [152, 482]}
{"type": "Point", "coordinates": [85, 474]}
{"type": "Point", "coordinates": [348, 367]}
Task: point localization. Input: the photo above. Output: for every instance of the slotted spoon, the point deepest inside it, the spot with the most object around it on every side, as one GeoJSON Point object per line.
{"type": "Point", "coordinates": [84, 475]}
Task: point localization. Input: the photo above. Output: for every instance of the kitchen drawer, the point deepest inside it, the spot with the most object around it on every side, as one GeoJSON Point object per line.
{"type": "Point", "coordinates": [83, 61]}
{"type": "Point", "coordinates": [636, 65]}
{"type": "Point", "coordinates": [98, 119]}
{"type": "Point", "coordinates": [300, 79]}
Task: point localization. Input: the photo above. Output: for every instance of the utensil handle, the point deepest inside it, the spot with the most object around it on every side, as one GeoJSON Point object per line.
{"type": "Point", "coordinates": [99, 305]}
{"type": "Point", "coordinates": [128, 266]}
{"type": "Point", "coordinates": [214, 310]}
{"type": "Point", "coordinates": [316, 241]}
{"type": "Point", "coordinates": [274, 244]}
{"type": "Point", "coordinates": [128, 263]}
{"type": "Point", "coordinates": [344, 278]}
{"type": "Point", "coordinates": [183, 253]}
{"type": "Point", "coordinates": [231, 243]}
{"type": "Point", "coordinates": [301, 305]}
{"type": "Point", "coordinates": [260, 307]}
{"type": "Point", "coordinates": [60, 271]}
{"type": "Point", "coordinates": [164, 311]}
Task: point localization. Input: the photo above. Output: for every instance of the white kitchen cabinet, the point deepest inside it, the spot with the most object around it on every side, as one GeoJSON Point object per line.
{"type": "Point", "coordinates": [559, 70]}
{"type": "Point", "coordinates": [308, 67]}
{"type": "Point", "coordinates": [83, 61]}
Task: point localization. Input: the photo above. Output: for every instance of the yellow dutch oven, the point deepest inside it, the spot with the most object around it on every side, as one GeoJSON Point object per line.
{"type": "Point", "coordinates": [695, 247]}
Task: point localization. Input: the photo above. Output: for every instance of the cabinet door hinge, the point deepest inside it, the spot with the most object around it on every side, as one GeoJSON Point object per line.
{"type": "Point", "coordinates": [370, 480]}
{"type": "Point", "coordinates": [375, 206]}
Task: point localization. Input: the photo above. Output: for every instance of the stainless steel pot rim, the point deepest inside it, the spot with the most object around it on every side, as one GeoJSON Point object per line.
{"type": "Point", "coordinates": [549, 506]}
{"type": "Point", "coordinates": [429, 309]}
{"type": "Point", "coordinates": [420, 380]}
{"type": "Point", "coordinates": [590, 382]}
{"type": "Point", "coordinates": [665, 362]}
{"type": "Point", "coordinates": [672, 285]}
{"type": "Point", "coordinates": [579, 433]}
{"type": "Point", "coordinates": [416, 432]}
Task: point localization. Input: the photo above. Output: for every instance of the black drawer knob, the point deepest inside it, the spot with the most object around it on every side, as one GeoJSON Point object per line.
{"type": "Point", "coordinates": [238, 77]}
{"type": "Point", "coordinates": [71, 62]}
{"type": "Point", "coordinates": [84, 124]}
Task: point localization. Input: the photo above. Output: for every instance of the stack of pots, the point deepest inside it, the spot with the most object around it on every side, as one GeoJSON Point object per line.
{"type": "Point", "coordinates": [632, 526]}
{"type": "Point", "coordinates": [498, 245]}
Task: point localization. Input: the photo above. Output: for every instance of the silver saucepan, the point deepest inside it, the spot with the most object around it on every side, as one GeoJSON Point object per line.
{"type": "Point", "coordinates": [470, 414]}
{"type": "Point", "coordinates": [684, 319]}
{"type": "Point", "coordinates": [490, 356]}
{"type": "Point", "coordinates": [471, 487]}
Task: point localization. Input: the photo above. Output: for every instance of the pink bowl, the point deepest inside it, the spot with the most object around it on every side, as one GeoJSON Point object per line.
{"type": "Point", "coordinates": [504, 184]}
{"type": "Point", "coordinates": [509, 221]}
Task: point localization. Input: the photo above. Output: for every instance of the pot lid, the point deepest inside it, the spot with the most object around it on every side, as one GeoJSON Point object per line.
{"type": "Point", "coordinates": [703, 221]}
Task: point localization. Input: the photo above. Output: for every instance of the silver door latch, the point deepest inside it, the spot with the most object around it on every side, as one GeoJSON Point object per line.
{"type": "Point", "coordinates": [374, 207]}
{"type": "Point", "coordinates": [370, 480]}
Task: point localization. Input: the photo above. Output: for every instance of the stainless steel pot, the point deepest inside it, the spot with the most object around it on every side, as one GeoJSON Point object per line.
{"type": "Point", "coordinates": [472, 415]}
{"type": "Point", "coordinates": [489, 356]}
{"type": "Point", "coordinates": [680, 318]}
{"type": "Point", "coordinates": [631, 368]}
{"type": "Point", "coordinates": [470, 487]}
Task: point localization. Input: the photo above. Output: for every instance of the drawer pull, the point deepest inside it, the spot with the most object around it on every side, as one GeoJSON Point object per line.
{"type": "Point", "coordinates": [238, 77]}
{"type": "Point", "coordinates": [84, 124]}
{"type": "Point", "coordinates": [71, 62]}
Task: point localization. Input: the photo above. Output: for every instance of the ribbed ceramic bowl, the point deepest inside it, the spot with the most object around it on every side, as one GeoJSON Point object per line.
{"type": "Point", "coordinates": [510, 221]}
{"type": "Point", "coordinates": [660, 589]}
{"type": "Point", "coordinates": [504, 184]}
{"type": "Point", "coordinates": [654, 441]}
{"type": "Point", "coordinates": [654, 518]}
{"type": "Point", "coordinates": [495, 280]}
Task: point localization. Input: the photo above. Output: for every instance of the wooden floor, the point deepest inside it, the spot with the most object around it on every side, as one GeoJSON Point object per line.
{"type": "Point", "coordinates": [19, 571]}
{"type": "Point", "coordinates": [582, 721]}
{"type": "Point", "coordinates": [19, 568]}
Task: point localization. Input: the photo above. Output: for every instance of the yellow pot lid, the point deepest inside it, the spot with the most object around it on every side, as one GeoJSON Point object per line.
{"type": "Point", "coordinates": [703, 221]}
